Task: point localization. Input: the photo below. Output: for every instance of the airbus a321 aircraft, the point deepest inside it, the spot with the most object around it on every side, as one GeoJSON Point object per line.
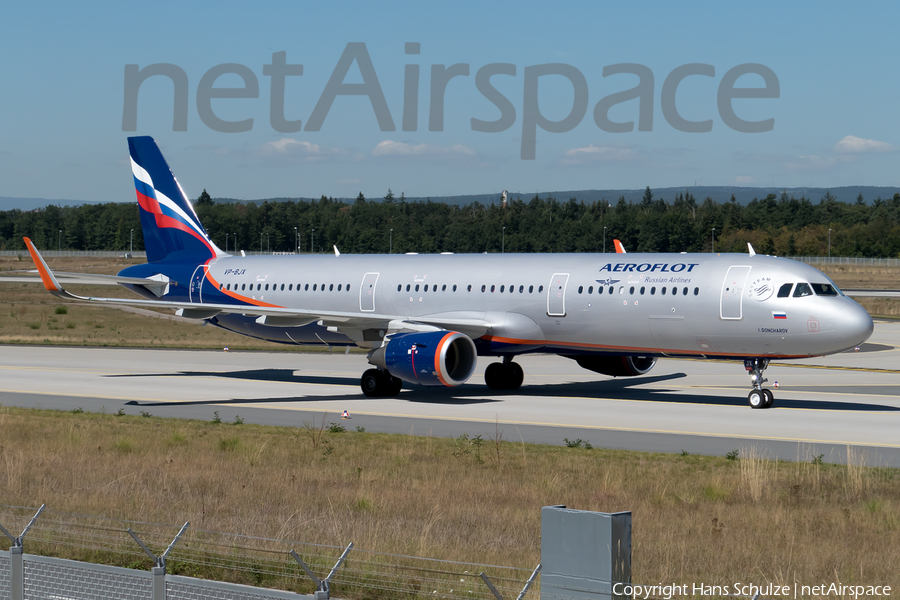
{"type": "Point", "coordinates": [426, 318]}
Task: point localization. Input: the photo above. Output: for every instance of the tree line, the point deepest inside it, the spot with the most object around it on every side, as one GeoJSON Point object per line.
{"type": "Point", "coordinates": [784, 226]}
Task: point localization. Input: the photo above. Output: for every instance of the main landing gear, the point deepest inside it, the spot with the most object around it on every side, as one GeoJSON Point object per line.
{"type": "Point", "coordinates": [504, 376]}
{"type": "Point", "coordinates": [758, 397]}
{"type": "Point", "coordinates": [376, 383]}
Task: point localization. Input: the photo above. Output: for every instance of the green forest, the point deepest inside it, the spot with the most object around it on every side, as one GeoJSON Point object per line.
{"type": "Point", "coordinates": [784, 226]}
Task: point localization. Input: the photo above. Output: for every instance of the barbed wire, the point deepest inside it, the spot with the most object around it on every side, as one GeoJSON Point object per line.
{"type": "Point", "coordinates": [254, 557]}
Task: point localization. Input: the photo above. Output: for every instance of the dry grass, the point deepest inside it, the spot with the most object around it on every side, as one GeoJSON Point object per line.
{"type": "Point", "coordinates": [695, 518]}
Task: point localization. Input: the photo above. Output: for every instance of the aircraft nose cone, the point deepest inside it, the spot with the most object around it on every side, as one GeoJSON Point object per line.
{"type": "Point", "coordinates": [856, 325]}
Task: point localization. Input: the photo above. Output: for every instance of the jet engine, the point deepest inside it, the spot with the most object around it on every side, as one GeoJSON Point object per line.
{"type": "Point", "coordinates": [616, 366]}
{"type": "Point", "coordinates": [428, 358]}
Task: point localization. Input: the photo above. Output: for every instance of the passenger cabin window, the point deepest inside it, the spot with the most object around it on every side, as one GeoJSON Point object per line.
{"type": "Point", "coordinates": [824, 289]}
{"type": "Point", "coordinates": [802, 290]}
{"type": "Point", "coordinates": [785, 290]}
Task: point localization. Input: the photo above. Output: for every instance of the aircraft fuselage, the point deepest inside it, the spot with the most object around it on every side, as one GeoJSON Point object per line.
{"type": "Point", "coordinates": [702, 305]}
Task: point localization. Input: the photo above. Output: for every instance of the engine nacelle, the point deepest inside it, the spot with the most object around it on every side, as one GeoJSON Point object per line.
{"type": "Point", "coordinates": [428, 358]}
{"type": "Point", "coordinates": [616, 366]}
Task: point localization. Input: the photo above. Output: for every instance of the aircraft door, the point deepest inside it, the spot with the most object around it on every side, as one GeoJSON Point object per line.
{"type": "Point", "coordinates": [367, 292]}
{"type": "Point", "coordinates": [197, 280]}
{"type": "Point", "coordinates": [730, 302]}
{"type": "Point", "coordinates": [556, 295]}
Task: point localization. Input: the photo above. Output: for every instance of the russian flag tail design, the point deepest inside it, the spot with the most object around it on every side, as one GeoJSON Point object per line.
{"type": "Point", "coordinates": [172, 231]}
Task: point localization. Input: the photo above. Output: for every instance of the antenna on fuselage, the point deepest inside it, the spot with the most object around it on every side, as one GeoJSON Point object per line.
{"type": "Point", "coordinates": [750, 249]}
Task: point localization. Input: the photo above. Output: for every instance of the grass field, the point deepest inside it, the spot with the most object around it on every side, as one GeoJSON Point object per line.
{"type": "Point", "coordinates": [696, 519]}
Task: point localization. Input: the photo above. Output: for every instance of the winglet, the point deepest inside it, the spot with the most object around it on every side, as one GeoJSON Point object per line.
{"type": "Point", "coordinates": [620, 249]}
{"type": "Point", "coordinates": [47, 276]}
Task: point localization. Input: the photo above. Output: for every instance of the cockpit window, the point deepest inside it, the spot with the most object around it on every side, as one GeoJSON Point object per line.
{"type": "Point", "coordinates": [785, 290]}
{"type": "Point", "coordinates": [824, 289]}
{"type": "Point", "coordinates": [802, 290]}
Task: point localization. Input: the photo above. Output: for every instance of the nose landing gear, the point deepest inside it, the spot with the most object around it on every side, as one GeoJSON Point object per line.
{"type": "Point", "coordinates": [758, 397]}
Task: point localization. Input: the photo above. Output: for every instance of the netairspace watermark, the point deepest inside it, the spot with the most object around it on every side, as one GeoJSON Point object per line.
{"type": "Point", "coordinates": [769, 590]}
{"type": "Point", "coordinates": [553, 78]}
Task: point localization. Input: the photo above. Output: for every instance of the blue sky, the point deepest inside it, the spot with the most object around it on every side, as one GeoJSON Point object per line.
{"type": "Point", "coordinates": [63, 82]}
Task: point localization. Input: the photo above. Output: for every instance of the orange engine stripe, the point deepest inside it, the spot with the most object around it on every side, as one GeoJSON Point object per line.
{"type": "Point", "coordinates": [437, 359]}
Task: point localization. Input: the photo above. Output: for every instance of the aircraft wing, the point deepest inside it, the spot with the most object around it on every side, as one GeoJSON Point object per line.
{"type": "Point", "coordinates": [267, 315]}
{"type": "Point", "coordinates": [77, 278]}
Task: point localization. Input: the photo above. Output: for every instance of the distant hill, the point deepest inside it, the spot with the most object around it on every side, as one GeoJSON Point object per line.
{"type": "Point", "coordinates": [743, 195]}
{"type": "Point", "coordinates": [8, 203]}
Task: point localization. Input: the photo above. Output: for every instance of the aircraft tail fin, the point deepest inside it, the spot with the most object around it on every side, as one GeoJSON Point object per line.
{"type": "Point", "coordinates": [172, 230]}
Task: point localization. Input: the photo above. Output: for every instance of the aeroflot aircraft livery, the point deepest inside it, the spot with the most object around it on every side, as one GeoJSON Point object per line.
{"type": "Point", "coordinates": [426, 318]}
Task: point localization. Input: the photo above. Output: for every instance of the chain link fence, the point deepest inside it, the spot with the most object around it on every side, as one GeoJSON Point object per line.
{"type": "Point", "coordinates": [246, 560]}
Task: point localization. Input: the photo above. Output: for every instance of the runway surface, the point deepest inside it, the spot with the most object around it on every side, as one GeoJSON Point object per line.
{"type": "Point", "coordinates": [822, 405]}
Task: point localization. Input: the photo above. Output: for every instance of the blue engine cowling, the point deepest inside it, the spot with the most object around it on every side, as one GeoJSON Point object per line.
{"type": "Point", "coordinates": [428, 358]}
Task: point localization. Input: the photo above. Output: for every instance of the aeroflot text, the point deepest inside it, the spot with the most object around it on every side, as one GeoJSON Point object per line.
{"type": "Point", "coordinates": [644, 267]}
{"type": "Point", "coordinates": [667, 592]}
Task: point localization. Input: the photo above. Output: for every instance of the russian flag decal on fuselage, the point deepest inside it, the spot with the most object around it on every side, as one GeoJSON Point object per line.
{"type": "Point", "coordinates": [779, 315]}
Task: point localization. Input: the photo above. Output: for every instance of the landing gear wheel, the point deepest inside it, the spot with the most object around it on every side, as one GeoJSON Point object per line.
{"type": "Point", "coordinates": [373, 383]}
{"type": "Point", "coordinates": [494, 376]}
{"type": "Point", "coordinates": [756, 399]}
{"type": "Point", "coordinates": [516, 375]}
{"type": "Point", "coordinates": [504, 376]}
{"type": "Point", "coordinates": [393, 386]}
